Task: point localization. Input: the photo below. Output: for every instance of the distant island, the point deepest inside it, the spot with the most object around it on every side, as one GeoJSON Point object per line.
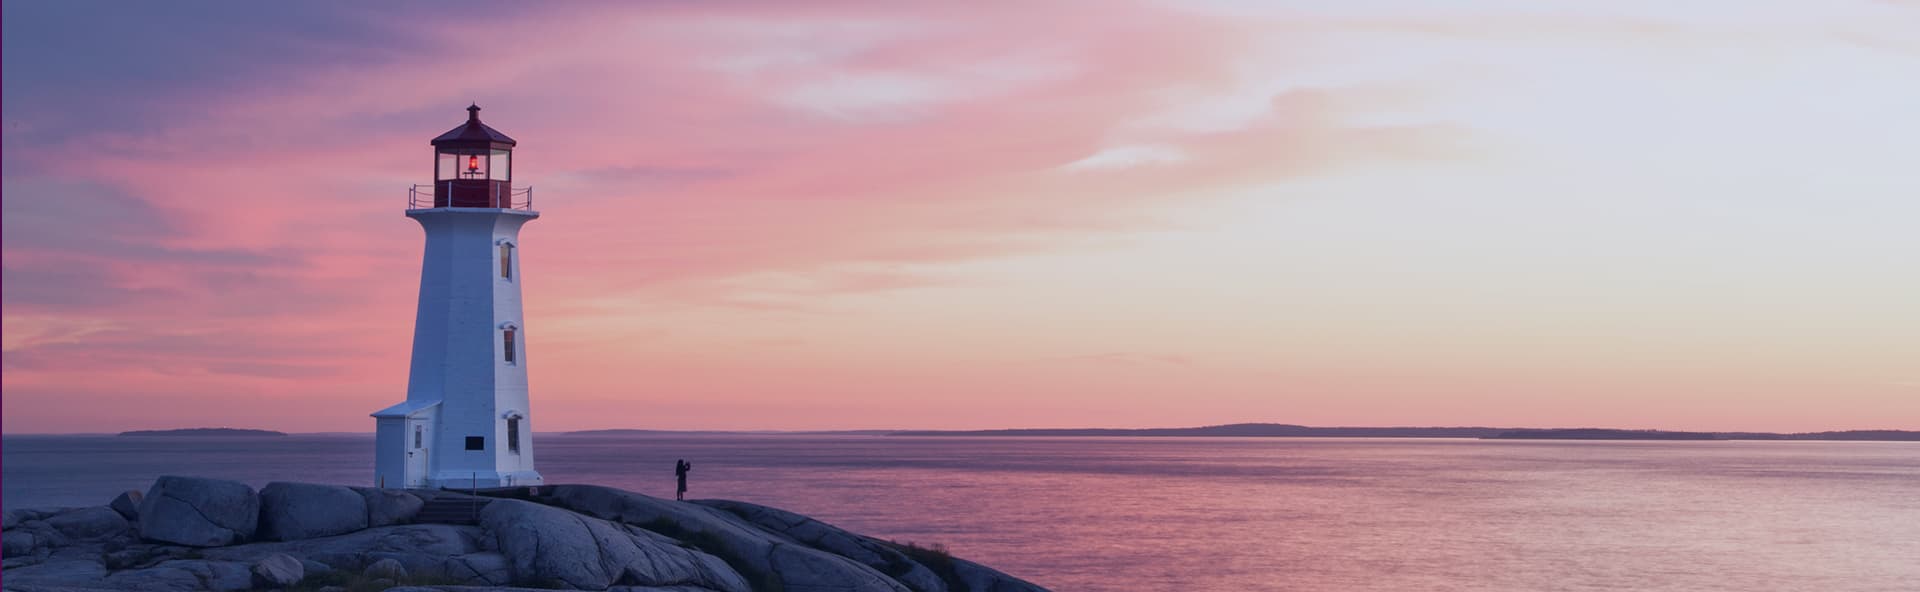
{"type": "Point", "coordinates": [1601, 434]}
{"type": "Point", "coordinates": [204, 432]}
{"type": "Point", "coordinates": [1281, 430]}
{"type": "Point", "coordinates": [648, 432]}
{"type": "Point", "coordinates": [1259, 430]}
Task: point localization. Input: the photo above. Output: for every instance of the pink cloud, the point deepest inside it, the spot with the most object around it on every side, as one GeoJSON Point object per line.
{"type": "Point", "coordinates": [250, 246]}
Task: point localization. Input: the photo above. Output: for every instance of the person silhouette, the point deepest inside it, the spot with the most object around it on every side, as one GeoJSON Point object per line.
{"type": "Point", "coordinates": [680, 469]}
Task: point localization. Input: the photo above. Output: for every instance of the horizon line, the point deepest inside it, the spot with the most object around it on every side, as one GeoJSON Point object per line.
{"type": "Point", "coordinates": [1002, 429]}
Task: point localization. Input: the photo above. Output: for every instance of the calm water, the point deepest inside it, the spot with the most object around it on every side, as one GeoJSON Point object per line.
{"type": "Point", "coordinates": [1215, 513]}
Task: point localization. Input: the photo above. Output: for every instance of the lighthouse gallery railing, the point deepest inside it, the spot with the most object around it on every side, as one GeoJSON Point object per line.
{"type": "Point", "coordinates": [420, 197]}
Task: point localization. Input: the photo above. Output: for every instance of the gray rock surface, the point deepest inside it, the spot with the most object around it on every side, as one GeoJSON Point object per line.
{"type": "Point", "coordinates": [420, 548]}
{"type": "Point", "coordinates": [142, 556]}
{"type": "Point", "coordinates": [128, 504]}
{"type": "Point", "coordinates": [488, 569]}
{"type": "Point", "coordinates": [278, 570]}
{"type": "Point", "coordinates": [883, 557]}
{"type": "Point", "coordinates": [89, 523]}
{"type": "Point", "coordinates": [550, 547]}
{"type": "Point", "coordinates": [16, 543]}
{"type": "Point", "coordinates": [518, 589]}
{"type": "Point", "coordinates": [388, 568]}
{"type": "Point", "coordinates": [387, 507]}
{"type": "Point", "coordinates": [313, 568]}
{"type": "Point", "coordinates": [575, 537]}
{"type": "Point", "coordinates": [295, 511]}
{"type": "Point", "coordinates": [757, 553]}
{"type": "Point", "coordinates": [199, 512]}
{"type": "Point", "coordinates": [76, 570]}
{"type": "Point", "coordinates": [980, 578]}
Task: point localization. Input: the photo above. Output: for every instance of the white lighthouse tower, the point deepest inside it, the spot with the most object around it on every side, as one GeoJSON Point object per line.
{"type": "Point", "coordinates": [466, 421]}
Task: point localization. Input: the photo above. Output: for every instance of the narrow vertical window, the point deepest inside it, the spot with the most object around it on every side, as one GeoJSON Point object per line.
{"type": "Point", "coordinates": [506, 338]}
{"type": "Point", "coordinates": [506, 261]}
{"type": "Point", "coordinates": [513, 435]}
{"type": "Point", "coordinates": [416, 436]}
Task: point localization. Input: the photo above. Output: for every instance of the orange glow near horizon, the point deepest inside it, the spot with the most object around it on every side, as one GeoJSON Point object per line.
{"type": "Point", "coordinates": [821, 216]}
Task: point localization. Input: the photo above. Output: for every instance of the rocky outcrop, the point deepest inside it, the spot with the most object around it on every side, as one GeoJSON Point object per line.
{"type": "Point", "coordinates": [768, 559]}
{"type": "Point", "coordinates": [421, 549]}
{"type": "Point", "coordinates": [199, 512]}
{"type": "Point", "coordinates": [566, 537]}
{"type": "Point", "coordinates": [491, 569]}
{"type": "Point", "coordinates": [278, 570]}
{"type": "Point", "coordinates": [387, 507]}
{"type": "Point", "coordinates": [296, 511]}
{"type": "Point", "coordinates": [884, 557]}
{"type": "Point", "coordinates": [550, 547]}
{"type": "Point", "coordinates": [127, 504]}
{"type": "Point", "coordinates": [88, 524]}
{"type": "Point", "coordinates": [386, 568]}
{"type": "Point", "coordinates": [183, 575]}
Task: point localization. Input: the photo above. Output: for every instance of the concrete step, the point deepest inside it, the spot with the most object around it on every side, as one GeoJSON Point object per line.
{"type": "Point", "coordinates": [451, 510]}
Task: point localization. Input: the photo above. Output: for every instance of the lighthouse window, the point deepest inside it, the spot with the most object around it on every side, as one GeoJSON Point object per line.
{"type": "Point", "coordinates": [506, 261]}
{"type": "Point", "coordinates": [416, 436]}
{"type": "Point", "coordinates": [476, 443]}
{"type": "Point", "coordinates": [500, 167]}
{"type": "Point", "coordinates": [449, 167]}
{"type": "Point", "coordinates": [513, 435]}
{"type": "Point", "coordinates": [506, 338]}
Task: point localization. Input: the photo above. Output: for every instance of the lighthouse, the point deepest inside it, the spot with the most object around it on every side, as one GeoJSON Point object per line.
{"type": "Point", "coordinates": [466, 421]}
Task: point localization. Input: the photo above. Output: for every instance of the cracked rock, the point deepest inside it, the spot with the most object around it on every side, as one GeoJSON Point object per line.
{"type": "Point", "coordinates": [199, 512]}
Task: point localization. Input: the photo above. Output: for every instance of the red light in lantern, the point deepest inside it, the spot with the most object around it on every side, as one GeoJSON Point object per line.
{"type": "Point", "coordinates": [473, 164]}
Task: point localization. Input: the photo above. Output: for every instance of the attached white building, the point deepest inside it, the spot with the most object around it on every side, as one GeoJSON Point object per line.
{"type": "Point", "coordinates": [466, 421]}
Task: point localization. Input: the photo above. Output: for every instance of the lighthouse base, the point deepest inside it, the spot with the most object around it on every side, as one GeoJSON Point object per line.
{"type": "Point", "coordinates": [484, 479]}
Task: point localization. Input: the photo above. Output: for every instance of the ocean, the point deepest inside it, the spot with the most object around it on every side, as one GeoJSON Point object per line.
{"type": "Point", "coordinates": [1210, 514]}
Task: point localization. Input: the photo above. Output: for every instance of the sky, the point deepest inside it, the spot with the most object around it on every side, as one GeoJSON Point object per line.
{"type": "Point", "coordinates": [841, 215]}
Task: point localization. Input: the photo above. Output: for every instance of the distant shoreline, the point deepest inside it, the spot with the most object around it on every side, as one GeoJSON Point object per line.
{"type": "Point", "coordinates": [224, 432]}
{"type": "Point", "coordinates": [1242, 430]}
{"type": "Point", "coordinates": [1276, 430]}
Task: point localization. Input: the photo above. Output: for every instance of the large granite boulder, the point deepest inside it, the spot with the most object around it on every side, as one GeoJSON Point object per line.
{"type": "Point", "coordinates": [387, 507]}
{"type": "Point", "coordinates": [550, 547]}
{"type": "Point", "coordinates": [128, 504]}
{"type": "Point", "coordinates": [278, 570]}
{"type": "Point", "coordinates": [199, 512]}
{"type": "Point", "coordinates": [295, 511]}
{"type": "Point", "coordinates": [88, 524]}
{"type": "Point", "coordinates": [878, 555]}
{"type": "Point", "coordinates": [768, 558]}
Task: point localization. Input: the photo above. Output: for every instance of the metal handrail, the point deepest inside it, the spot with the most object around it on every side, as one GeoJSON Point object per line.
{"type": "Point", "coordinates": [420, 197]}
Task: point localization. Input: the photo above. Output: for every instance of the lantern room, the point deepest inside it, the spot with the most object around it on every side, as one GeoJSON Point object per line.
{"type": "Point", "coordinates": [473, 167]}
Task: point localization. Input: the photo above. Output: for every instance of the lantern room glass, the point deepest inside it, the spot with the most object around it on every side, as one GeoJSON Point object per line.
{"type": "Point", "coordinates": [500, 166]}
{"type": "Point", "coordinates": [474, 165]}
{"type": "Point", "coordinates": [449, 167]}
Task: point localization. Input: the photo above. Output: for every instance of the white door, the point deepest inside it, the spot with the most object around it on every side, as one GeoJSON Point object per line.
{"type": "Point", "coordinates": [419, 443]}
